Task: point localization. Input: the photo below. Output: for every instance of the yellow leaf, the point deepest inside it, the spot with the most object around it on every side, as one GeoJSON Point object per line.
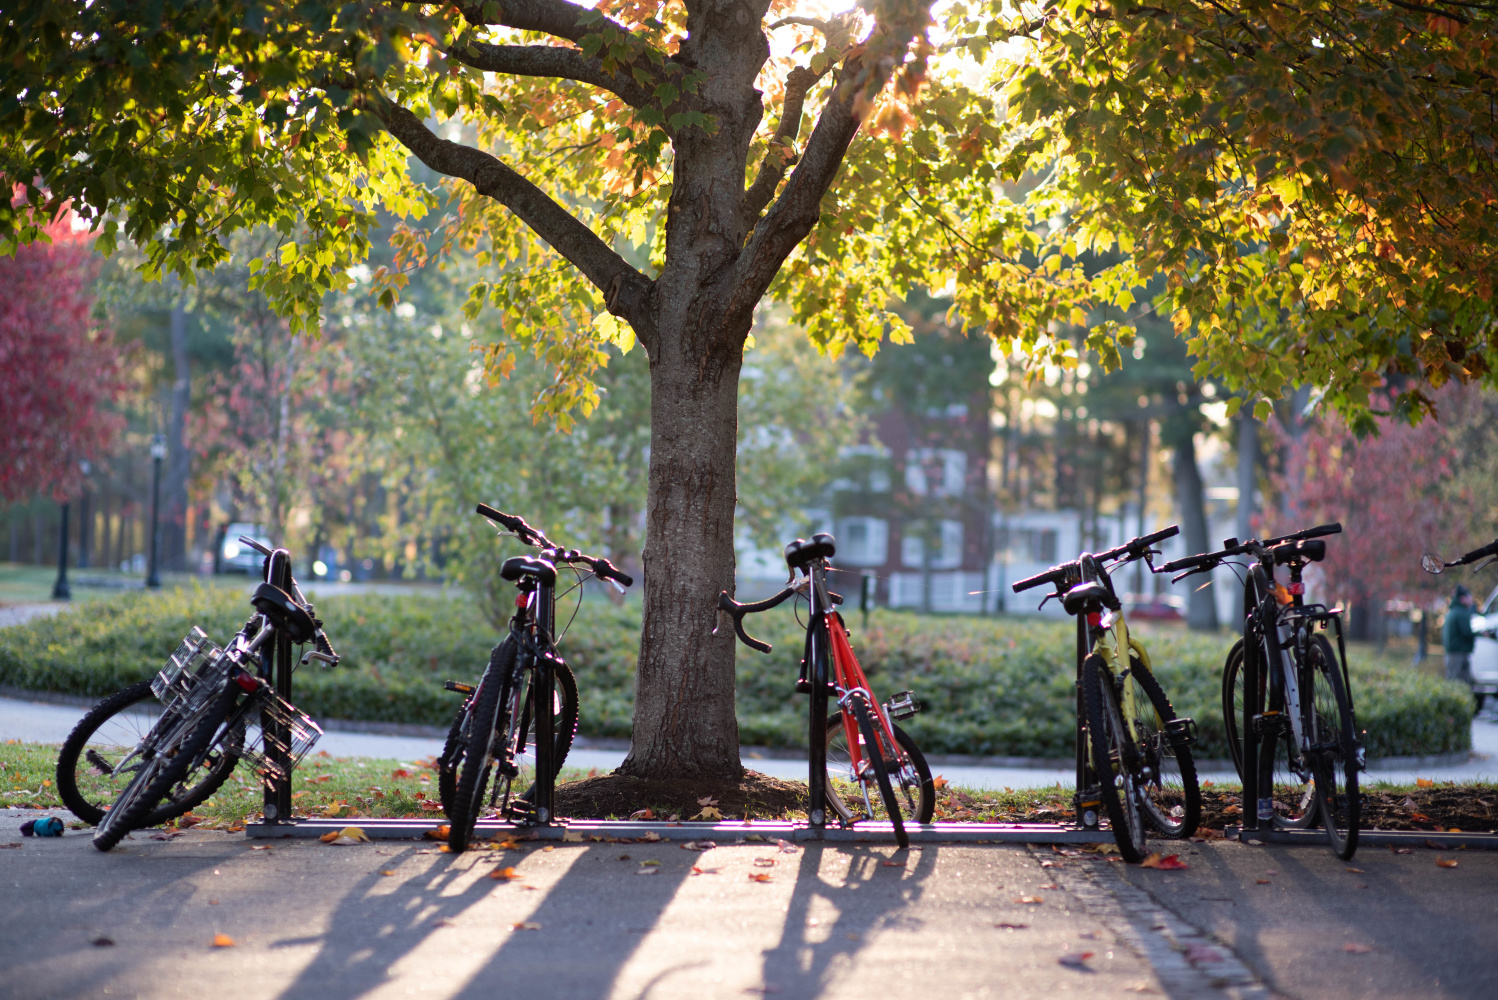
{"type": "Point", "coordinates": [223, 941]}
{"type": "Point", "coordinates": [709, 812]}
{"type": "Point", "coordinates": [760, 877]}
{"type": "Point", "coordinates": [1446, 862]}
{"type": "Point", "coordinates": [355, 834]}
{"type": "Point", "coordinates": [572, 837]}
{"type": "Point", "coordinates": [1424, 783]}
{"type": "Point", "coordinates": [329, 837]}
{"type": "Point", "coordinates": [1030, 900]}
{"type": "Point", "coordinates": [525, 925]}
{"type": "Point", "coordinates": [438, 834]}
{"type": "Point", "coordinates": [504, 874]}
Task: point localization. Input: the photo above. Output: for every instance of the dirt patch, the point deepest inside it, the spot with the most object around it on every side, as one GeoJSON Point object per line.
{"type": "Point", "coordinates": [1438, 809]}
{"type": "Point", "coordinates": [614, 796]}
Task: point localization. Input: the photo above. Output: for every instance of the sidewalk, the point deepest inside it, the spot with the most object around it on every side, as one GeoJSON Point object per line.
{"type": "Point", "coordinates": [48, 723]}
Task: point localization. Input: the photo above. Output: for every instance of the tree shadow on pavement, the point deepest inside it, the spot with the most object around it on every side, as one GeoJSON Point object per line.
{"type": "Point", "coordinates": [872, 897]}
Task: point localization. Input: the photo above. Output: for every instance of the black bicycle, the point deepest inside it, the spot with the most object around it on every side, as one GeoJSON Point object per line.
{"type": "Point", "coordinates": [500, 731]}
{"type": "Point", "coordinates": [1141, 769]}
{"type": "Point", "coordinates": [221, 707]}
{"type": "Point", "coordinates": [1285, 687]}
{"type": "Point", "coordinates": [859, 746]}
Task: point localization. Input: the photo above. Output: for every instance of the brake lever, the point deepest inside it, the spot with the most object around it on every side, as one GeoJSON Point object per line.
{"type": "Point", "coordinates": [1043, 602]}
{"type": "Point", "coordinates": [312, 654]}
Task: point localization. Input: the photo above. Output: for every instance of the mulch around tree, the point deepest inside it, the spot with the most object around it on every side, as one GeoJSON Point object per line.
{"type": "Point", "coordinates": [1438, 809]}
{"type": "Point", "coordinates": [615, 796]}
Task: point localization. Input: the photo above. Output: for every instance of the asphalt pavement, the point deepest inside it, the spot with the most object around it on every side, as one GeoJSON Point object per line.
{"type": "Point", "coordinates": [396, 919]}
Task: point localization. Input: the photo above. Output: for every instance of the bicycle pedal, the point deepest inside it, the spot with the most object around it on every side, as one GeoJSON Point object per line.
{"type": "Point", "coordinates": [458, 686]}
{"type": "Point", "coordinates": [1181, 732]}
{"type": "Point", "coordinates": [902, 706]}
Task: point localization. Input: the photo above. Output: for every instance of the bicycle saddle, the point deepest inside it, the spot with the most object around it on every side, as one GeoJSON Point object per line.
{"type": "Point", "coordinates": [516, 567]}
{"type": "Point", "coordinates": [800, 552]}
{"type": "Point", "coordinates": [1075, 600]}
{"type": "Point", "coordinates": [283, 612]}
{"type": "Point", "coordinates": [1309, 549]}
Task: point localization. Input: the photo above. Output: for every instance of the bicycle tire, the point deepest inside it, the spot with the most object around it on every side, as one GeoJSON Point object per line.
{"type": "Point", "coordinates": [864, 716]}
{"type": "Point", "coordinates": [1295, 800]}
{"type": "Point", "coordinates": [1111, 758]}
{"type": "Point", "coordinates": [485, 721]}
{"type": "Point", "coordinates": [563, 725]}
{"type": "Point", "coordinates": [839, 767]}
{"type": "Point", "coordinates": [1174, 808]}
{"type": "Point", "coordinates": [1336, 732]}
{"type": "Point", "coordinates": [452, 758]}
{"type": "Point", "coordinates": [132, 811]}
{"type": "Point", "coordinates": [86, 757]}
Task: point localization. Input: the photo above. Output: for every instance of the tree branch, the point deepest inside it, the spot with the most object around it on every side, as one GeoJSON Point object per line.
{"type": "Point", "coordinates": [781, 154]}
{"type": "Point", "coordinates": [625, 289]}
{"type": "Point", "coordinates": [553, 17]}
{"type": "Point", "coordinates": [552, 61]}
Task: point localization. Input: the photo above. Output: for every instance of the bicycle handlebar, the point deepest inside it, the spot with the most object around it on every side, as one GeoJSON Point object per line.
{"type": "Point", "coordinates": [1135, 548]}
{"type": "Point", "coordinates": [1317, 532]}
{"type": "Point", "coordinates": [1210, 560]}
{"type": "Point", "coordinates": [601, 567]}
{"type": "Point", "coordinates": [737, 611]}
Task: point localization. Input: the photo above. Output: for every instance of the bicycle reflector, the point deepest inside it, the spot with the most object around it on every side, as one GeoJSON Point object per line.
{"type": "Point", "coordinates": [246, 680]}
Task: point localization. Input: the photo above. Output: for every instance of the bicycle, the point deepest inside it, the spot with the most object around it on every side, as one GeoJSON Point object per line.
{"type": "Point", "coordinates": [501, 719]}
{"type": "Point", "coordinates": [1304, 750]}
{"type": "Point", "coordinates": [1140, 756]}
{"type": "Point", "coordinates": [213, 702]}
{"type": "Point", "coordinates": [860, 743]}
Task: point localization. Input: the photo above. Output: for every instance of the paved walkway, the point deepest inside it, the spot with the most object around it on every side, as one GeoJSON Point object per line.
{"type": "Point", "coordinates": [397, 919]}
{"type": "Point", "coordinates": [48, 723]}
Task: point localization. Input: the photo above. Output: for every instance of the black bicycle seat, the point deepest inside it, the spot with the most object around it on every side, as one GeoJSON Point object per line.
{"type": "Point", "coordinates": [802, 551]}
{"type": "Point", "coordinates": [1075, 600]}
{"type": "Point", "coordinates": [283, 612]}
{"type": "Point", "coordinates": [516, 567]}
{"type": "Point", "coordinates": [1306, 550]}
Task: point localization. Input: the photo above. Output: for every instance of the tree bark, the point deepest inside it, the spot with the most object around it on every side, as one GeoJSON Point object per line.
{"type": "Point", "coordinates": [174, 526]}
{"type": "Point", "coordinates": [684, 720]}
{"type": "Point", "coordinates": [1201, 608]}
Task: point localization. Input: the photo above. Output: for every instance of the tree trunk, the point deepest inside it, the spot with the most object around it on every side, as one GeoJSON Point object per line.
{"type": "Point", "coordinates": [1201, 609]}
{"type": "Point", "coordinates": [684, 719]}
{"type": "Point", "coordinates": [174, 526]}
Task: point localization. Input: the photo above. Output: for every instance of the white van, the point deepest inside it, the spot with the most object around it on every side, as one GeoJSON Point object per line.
{"type": "Point", "coordinates": [1485, 650]}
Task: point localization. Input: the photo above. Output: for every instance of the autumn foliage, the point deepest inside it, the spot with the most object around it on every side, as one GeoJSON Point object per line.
{"type": "Point", "coordinates": [59, 368]}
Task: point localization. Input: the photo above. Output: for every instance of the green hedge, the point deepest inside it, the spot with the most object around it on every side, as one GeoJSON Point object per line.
{"type": "Point", "coordinates": [1000, 687]}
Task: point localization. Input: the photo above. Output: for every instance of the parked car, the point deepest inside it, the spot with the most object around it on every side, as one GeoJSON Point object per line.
{"type": "Point", "coordinates": [236, 557]}
{"type": "Point", "coordinates": [1485, 650]}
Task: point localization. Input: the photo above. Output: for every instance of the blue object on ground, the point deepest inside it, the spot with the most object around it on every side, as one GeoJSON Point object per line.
{"type": "Point", "coordinates": [47, 826]}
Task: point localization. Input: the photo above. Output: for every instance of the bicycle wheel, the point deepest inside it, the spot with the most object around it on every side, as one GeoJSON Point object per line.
{"type": "Point", "coordinates": [1113, 758]}
{"type": "Point", "coordinates": [114, 727]}
{"type": "Point", "coordinates": [879, 758]}
{"type": "Point", "coordinates": [453, 749]}
{"type": "Point", "coordinates": [1170, 797]}
{"type": "Point", "coordinates": [1294, 790]}
{"type": "Point", "coordinates": [916, 791]}
{"type": "Point", "coordinates": [1333, 748]}
{"type": "Point", "coordinates": [563, 729]}
{"type": "Point", "coordinates": [486, 720]}
{"type": "Point", "coordinates": [181, 748]}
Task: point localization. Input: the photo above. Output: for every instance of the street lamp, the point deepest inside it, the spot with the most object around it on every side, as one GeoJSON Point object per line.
{"type": "Point", "coordinates": [60, 590]}
{"type": "Point", "coordinates": [85, 522]}
{"type": "Point", "coordinates": [158, 452]}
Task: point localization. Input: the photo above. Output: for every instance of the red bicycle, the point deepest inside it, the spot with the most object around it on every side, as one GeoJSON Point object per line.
{"type": "Point", "coordinates": [859, 744]}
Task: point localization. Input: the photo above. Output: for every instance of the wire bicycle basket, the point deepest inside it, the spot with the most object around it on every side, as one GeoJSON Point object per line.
{"type": "Point", "coordinates": [196, 659]}
{"type": "Point", "coordinates": [277, 735]}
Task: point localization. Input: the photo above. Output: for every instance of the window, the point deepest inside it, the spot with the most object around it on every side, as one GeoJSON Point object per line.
{"type": "Point", "coordinates": [946, 466]}
{"type": "Point", "coordinates": [913, 546]}
{"type": "Point", "coordinates": [862, 541]}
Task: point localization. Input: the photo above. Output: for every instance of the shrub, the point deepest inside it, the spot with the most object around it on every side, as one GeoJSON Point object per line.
{"type": "Point", "coordinates": [999, 687]}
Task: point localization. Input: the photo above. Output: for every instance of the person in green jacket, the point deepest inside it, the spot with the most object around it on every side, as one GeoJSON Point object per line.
{"type": "Point", "coordinates": [1456, 636]}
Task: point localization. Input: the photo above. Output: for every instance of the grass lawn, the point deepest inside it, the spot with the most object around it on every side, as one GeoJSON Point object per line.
{"type": "Point", "coordinates": [355, 787]}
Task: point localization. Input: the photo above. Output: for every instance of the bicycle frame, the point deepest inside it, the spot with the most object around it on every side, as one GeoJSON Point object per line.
{"type": "Point", "coordinates": [849, 679]}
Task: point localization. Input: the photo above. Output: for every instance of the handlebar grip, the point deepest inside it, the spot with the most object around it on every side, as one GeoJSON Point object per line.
{"type": "Point", "coordinates": [1049, 576]}
{"type": "Point", "coordinates": [737, 611]}
{"type": "Point", "coordinates": [323, 645]}
{"type": "Point", "coordinates": [1189, 562]}
{"type": "Point", "coordinates": [1159, 536]}
{"type": "Point", "coordinates": [1320, 530]}
{"type": "Point", "coordinates": [1487, 550]}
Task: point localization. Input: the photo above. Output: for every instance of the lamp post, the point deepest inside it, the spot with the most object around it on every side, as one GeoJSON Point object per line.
{"type": "Point", "coordinates": [158, 452]}
{"type": "Point", "coordinates": [85, 522]}
{"type": "Point", "coordinates": [60, 590]}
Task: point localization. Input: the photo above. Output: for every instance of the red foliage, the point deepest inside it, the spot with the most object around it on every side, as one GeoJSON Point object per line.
{"type": "Point", "coordinates": [1387, 490]}
{"type": "Point", "coordinates": [59, 369]}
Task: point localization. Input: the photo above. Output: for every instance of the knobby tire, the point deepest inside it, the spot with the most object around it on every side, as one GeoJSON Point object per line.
{"type": "Point", "coordinates": [1159, 800]}
{"type": "Point", "coordinates": [838, 765]}
{"type": "Point", "coordinates": [874, 746]}
{"type": "Point", "coordinates": [1336, 767]}
{"type": "Point", "coordinates": [1111, 758]}
{"type": "Point", "coordinates": [485, 721]}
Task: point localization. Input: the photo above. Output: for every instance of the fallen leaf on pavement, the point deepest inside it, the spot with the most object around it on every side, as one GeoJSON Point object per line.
{"type": "Point", "coordinates": [525, 925]}
{"type": "Point", "coordinates": [1012, 927]}
{"type": "Point", "coordinates": [1446, 862]}
{"type": "Point", "coordinates": [642, 814]}
{"type": "Point", "coordinates": [760, 877]}
{"type": "Point", "coordinates": [102, 942]}
{"type": "Point", "coordinates": [1030, 900]}
{"type": "Point", "coordinates": [1264, 881]}
{"type": "Point", "coordinates": [1075, 960]}
{"type": "Point", "coordinates": [651, 836]}
{"type": "Point", "coordinates": [1357, 949]}
{"type": "Point", "coordinates": [1401, 850]}
{"type": "Point", "coordinates": [387, 871]}
{"type": "Point", "coordinates": [770, 862]}
{"type": "Point", "coordinates": [572, 837]}
{"type": "Point", "coordinates": [223, 941]}
{"type": "Point", "coordinates": [708, 813]}
{"type": "Point", "coordinates": [1168, 863]}
{"type": "Point", "coordinates": [705, 871]}
{"type": "Point", "coordinates": [213, 902]}
{"type": "Point", "coordinates": [1050, 864]}
{"type": "Point", "coordinates": [888, 863]}
{"type": "Point", "coordinates": [1358, 870]}
{"type": "Point", "coordinates": [438, 834]}
{"type": "Point", "coordinates": [786, 847]}
{"type": "Point", "coordinates": [504, 874]}
{"type": "Point", "coordinates": [698, 845]}
{"type": "Point", "coordinates": [326, 838]}
{"type": "Point", "coordinates": [652, 862]}
{"type": "Point", "coordinates": [1203, 953]}
{"type": "Point", "coordinates": [647, 871]}
{"type": "Point", "coordinates": [1049, 885]}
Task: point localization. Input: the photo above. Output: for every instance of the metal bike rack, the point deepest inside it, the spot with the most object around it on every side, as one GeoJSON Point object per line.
{"type": "Point", "coordinates": [1087, 777]}
{"type": "Point", "coordinates": [277, 781]}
